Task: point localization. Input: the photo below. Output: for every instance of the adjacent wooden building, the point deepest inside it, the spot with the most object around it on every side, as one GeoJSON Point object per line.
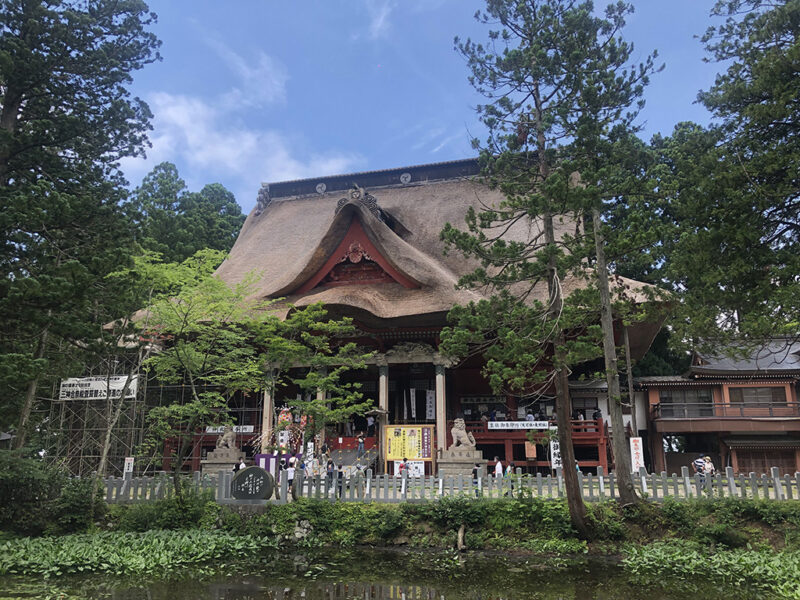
{"type": "Point", "coordinates": [743, 412]}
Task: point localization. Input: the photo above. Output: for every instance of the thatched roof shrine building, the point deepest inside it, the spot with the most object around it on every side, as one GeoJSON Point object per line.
{"type": "Point", "coordinates": [367, 246]}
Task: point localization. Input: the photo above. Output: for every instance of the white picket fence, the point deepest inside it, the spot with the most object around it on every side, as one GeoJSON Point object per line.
{"type": "Point", "coordinates": [367, 487]}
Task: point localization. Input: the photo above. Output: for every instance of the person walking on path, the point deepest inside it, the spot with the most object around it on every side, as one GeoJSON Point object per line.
{"type": "Point", "coordinates": [509, 474]}
{"type": "Point", "coordinates": [498, 468]}
{"type": "Point", "coordinates": [330, 469]}
{"type": "Point", "coordinates": [699, 466]}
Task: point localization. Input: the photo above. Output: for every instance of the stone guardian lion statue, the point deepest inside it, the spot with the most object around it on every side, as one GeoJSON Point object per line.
{"type": "Point", "coordinates": [227, 439]}
{"type": "Point", "coordinates": [461, 437]}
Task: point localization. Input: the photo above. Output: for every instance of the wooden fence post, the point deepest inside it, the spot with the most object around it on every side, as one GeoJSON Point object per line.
{"type": "Point", "coordinates": [643, 479]}
{"type": "Point", "coordinates": [601, 483]}
{"type": "Point", "coordinates": [776, 481]}
{"type": "Point", "coordinates": [687, 488]}
{"type": "Point", "coordinates": [731, 481]}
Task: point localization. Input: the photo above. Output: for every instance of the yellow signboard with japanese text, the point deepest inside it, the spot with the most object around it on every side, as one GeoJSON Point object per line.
{"type": "Point", "coordinates": [414, 442]}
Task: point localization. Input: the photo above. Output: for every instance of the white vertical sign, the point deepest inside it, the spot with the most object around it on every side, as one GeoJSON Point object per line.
{"type": "Point", "coordinates": [283, 438]}
{"type": "Point", "coordinates": [555, 454]}
{"type": "Point", "coordinates": [128, 465]}
{"type": "Point", "coordinates": [637, 454]}
{"type": "Point", "coordinates": [413, 393]}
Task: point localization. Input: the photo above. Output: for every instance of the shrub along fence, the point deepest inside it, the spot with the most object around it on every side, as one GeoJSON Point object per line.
{"type": "Point", "coordinates": [367, 487]}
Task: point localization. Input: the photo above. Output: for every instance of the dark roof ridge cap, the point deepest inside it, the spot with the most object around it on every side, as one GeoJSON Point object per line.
{"type": "Point", "coordinates": [409, 176]}
{"type": "Point", "coordinates": [376, 171]}
{"type": "Point", "coordinates": [336, 192]}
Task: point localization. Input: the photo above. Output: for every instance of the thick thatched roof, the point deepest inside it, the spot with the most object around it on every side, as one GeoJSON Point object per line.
{"type": "Point", "coordinates": [298, 225]}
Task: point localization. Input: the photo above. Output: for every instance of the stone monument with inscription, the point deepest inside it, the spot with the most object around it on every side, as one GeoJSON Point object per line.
{"type": "Point", "coordinates": [252, 483]}
{"type": "Point", "coordinates": [461, 456]}
{"type": "Point", "coordinates": [225, 456]}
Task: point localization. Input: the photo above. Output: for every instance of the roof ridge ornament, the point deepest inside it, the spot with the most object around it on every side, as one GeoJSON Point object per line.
{"type": "Point", "coordinates": [363, 197]}
{"type": "Point", "coordinates": [262, 200]}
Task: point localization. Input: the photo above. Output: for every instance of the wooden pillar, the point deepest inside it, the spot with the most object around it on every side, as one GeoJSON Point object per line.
{"type": "Point", "coordinates": [383, 405]}
{"type": "Point", "coordinates": [441, 410]}
{"type": "Point", "coordinates": [267, 417]}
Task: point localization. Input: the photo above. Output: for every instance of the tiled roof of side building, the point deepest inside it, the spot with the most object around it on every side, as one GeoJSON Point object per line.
{"type": "Point", "coordinates": [777, 357]}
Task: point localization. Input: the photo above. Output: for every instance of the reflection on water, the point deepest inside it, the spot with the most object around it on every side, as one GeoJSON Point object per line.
{"type": "Point", "coordinates": [379, 575]}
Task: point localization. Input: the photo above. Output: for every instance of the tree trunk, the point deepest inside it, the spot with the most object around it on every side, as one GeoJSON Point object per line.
{"type": "Point", "coordinates": [629, 371]}
{"type": "Point", "coordinates": [110, 424]}
{"type": "Point", "coordinates": [577, 509]}
{"type": "Point", "coordinates": [30, 392]}
{"type": "Point", "coordinates": [622, 461]}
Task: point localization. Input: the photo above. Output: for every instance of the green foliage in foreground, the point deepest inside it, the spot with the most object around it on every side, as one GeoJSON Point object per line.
{"type": "Point", "coordinates": [150, 553]}
{"type": "Point", "coordinates": [657, 563]}
{"type": "Point", "coordinates": [36, 498]}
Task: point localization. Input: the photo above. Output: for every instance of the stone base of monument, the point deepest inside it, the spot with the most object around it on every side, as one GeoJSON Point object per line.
{"type": "Point", "coordinates": [460, 461]}
{"type": "Point", "coordinates": [221, 459]}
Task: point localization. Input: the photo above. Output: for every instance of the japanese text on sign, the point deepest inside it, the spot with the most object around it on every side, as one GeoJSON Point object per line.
{"type": "Point", "coordinates": [510, 425]}
{"type": "Point", "coordinates": [101, 388]}
{"type": "Point", "coordinates": [414, 442]}
{"type": "Point", "coordinates": [637, 454]}
{"type": "Point", "coordinates": [555, 454]}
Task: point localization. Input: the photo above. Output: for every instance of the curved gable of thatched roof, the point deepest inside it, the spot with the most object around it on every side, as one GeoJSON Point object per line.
{"type": "Point", "coordinates": [289, 240]}
{"type": "Point", "coordinates": [298, 227]}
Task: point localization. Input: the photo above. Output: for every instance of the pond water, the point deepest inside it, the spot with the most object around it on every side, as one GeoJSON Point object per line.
{"type": "Point", "coordinates": [379, 575]}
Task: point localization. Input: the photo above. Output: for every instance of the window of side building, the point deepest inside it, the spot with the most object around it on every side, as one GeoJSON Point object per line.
{"type": "Point", "coordinates": [758, 395]}
{"type": "Point", "coordinates": [686, 403]}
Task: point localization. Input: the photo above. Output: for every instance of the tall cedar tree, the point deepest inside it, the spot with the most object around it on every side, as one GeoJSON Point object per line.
{"type": "Point", "coordinates": [561, 93]}
{"type": "Point", "coordinates": [176, 223]}
{"type": "Point", "coordinates": [66, 118]}
{"type": "Point", "coordinates": [734, 198]}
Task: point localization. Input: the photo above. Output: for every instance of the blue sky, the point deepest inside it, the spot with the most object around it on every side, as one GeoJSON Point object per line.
{"type": "Point", "coordinates": [260, 91]}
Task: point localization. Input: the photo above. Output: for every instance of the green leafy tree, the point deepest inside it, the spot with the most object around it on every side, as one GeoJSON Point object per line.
{"type": "Point", "coordinates": [219, 339]}
{"type": "Point", "coordinates": [177, 223]}
{"type": "Point", "coordinates": [732, 190]}
{"type": "Point", "coordinates": [66, 117]}
{"type": "Point", "coordinates": [561, 91]}
{"type": "Point", "coordinates": [204, 327]}
{"type": "Point", "coordinates": [310, 350]}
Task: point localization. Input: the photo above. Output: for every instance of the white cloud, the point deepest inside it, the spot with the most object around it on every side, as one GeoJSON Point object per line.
{"type": "Point", "coordinates": [207, 147]}
{"type": "Point", "coordinates": [261, 81]}
{"type": "Point", "coordinates": [379, 11]}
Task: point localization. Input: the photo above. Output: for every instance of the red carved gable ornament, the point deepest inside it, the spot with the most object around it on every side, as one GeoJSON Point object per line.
{"type": "Point", "coordinates": [356, 261]}
{"type": "Point", "coordinates": [355, 253]}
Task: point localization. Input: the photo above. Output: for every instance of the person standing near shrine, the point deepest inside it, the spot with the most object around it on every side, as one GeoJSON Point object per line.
{"type": "Point", "coordinates": [498, 468]}
{"type": "Point", "coordinates": [360, 451]}
{"type": "Point", "coordinates": [370, 426]}
{"type": "Point", "coordinates": [290, 471]}
{"type": "Point", "coordinates": [330, 470]}
{"type": "Point", "coordinates": [699, 466]}
{"type": "Point", "coordinates": [476, 473]}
